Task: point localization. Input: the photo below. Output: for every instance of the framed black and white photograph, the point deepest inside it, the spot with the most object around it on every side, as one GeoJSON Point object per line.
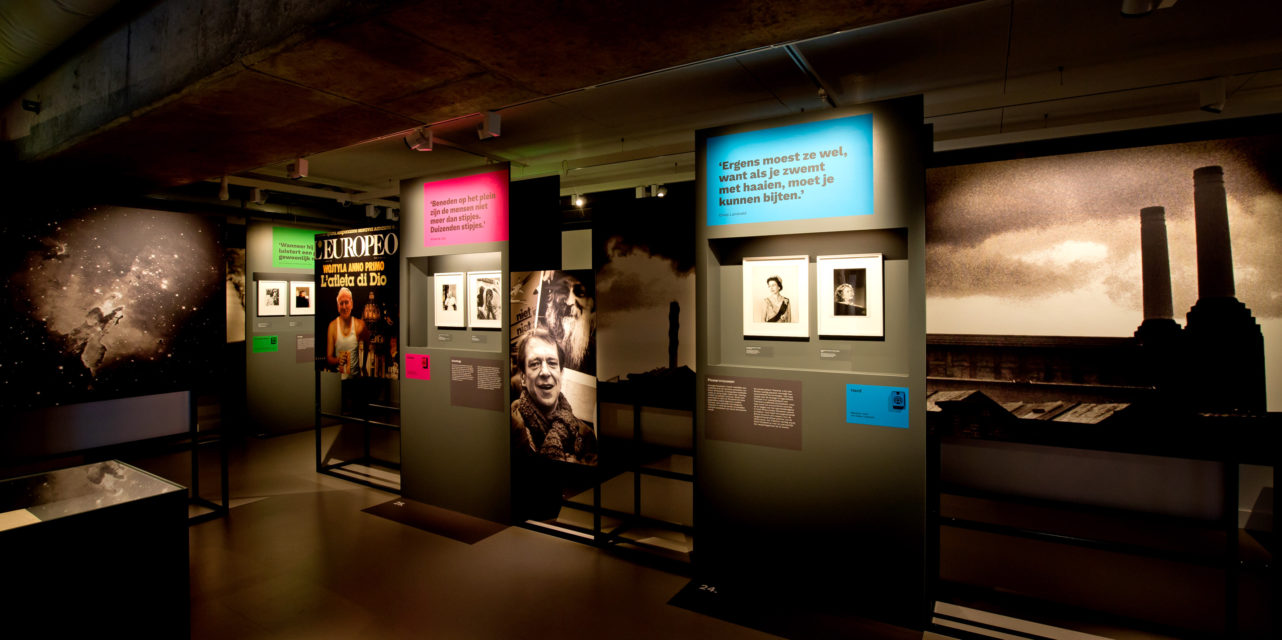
{"type": "Point", "coordinates": [849, 295]}
{"type": "Point", "coordinates": [484, 300]}
{"type": "Point", "coordinates": [271, 297]}
{"type": "Point", "coordinates": [775, 297]}
{"type": "Point", "coordinates": [302, 295]}
{"type": "Point", "coordinates": [450, 299]}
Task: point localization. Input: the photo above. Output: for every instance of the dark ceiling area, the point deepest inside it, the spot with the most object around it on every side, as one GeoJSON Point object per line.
{"type": "Point", "coordinates": [169, 96]}
{"type": "Point", "coordinates": [364, 70]}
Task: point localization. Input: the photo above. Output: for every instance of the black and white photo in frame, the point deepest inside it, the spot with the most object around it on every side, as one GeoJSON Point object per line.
{"type": "Point", "coordinates": [450, 300]}
{"type": "Point", "coordinates": [850, 296]}
{"type": "Point", "coordinates": [271, 297]}
{"type": "Point", "coordinates": [484, 300]}
{"type": "Point", "coordinates": [302, 293]}
{"type": "Point", "coordinates": [776, 297]}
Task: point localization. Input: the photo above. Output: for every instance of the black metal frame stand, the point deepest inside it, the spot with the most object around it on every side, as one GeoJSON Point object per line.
{"type": "Point", "coordinates": [216, 509]}
{"type": "Point", "coordinates": [613, 539]}
{"type": "Point", "coordinates": [339, 469]}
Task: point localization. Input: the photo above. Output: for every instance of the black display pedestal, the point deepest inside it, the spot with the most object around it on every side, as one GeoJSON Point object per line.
{"type": "Point", "coordinates": [100, 548]}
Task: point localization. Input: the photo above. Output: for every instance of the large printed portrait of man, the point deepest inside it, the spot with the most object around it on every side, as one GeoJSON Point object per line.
{"type": "Point", "coordinates": [568, 307]}
{"type": "Point", "coordinates": [553, 355]}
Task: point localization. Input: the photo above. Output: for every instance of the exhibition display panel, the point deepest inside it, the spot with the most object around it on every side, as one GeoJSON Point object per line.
{"type": "Point", "coordinates": [454, 385]}
{"type": "Point", "coordinates": [279, 327]}
{"type": "Point", "coordinates": [810, 411]}
{"type": "Point", "coordinates": [487, 435]}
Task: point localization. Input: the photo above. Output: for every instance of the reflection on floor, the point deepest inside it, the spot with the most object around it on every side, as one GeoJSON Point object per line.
{"type": "Point", "coordinates": [299, 559]}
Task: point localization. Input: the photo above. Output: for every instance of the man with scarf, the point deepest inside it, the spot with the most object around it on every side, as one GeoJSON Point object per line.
{"type": "Point", "coordinates": [543, 422]}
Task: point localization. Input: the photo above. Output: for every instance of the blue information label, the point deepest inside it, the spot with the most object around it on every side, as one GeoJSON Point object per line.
{"type": "Point", "coordinates": [819, 169]}
{"type": "Point", "coordinates": [878, 406]}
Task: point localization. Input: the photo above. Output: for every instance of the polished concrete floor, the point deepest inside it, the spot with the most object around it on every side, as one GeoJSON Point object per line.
{"type": "Point", "coordinates": [297, 558]}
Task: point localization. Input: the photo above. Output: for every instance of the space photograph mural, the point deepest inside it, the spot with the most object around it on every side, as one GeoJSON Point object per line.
{"type": "Point", "coordinates": [110, 302]}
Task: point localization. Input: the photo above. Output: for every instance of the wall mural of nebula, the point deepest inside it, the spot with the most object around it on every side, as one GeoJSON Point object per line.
{"type": "Point", "coordinates": [110, 302]}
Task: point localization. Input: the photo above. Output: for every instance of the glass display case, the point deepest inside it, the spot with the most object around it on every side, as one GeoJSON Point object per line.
{"type": "Point", "coordinates": [68, 492]}
{"type": "Point", "coordinates": [94, 547]}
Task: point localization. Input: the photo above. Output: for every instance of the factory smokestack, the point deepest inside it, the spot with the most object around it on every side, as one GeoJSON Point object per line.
{"type": "Point", "coordinates": [1156, 264]}
{"type": "Point", "coordinates": [1214, 253]}
{"type": "Point", "coordinates": [1159, 337]}
{"type": "Point", "coordinates": [1224, 342]}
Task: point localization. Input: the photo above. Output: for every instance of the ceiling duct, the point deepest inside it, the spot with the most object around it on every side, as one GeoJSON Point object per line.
{"type": "Point", "coordinates": [31, 29]}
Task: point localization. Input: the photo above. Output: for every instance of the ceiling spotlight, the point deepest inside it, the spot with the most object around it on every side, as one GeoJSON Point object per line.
{"type": "Point", "coordinates": [371, 211]}
{"type": "Point", "coordinates": [658, 190]}
{"type": "Point", "coordinates": [256, 196]}
{"type": "Point", "coordinates": [419, 139]}
{"type": "Point", "coordinates": [578, 200]}
{"type": "Point", "coordinates": [297, 169]}
{"type": "Point", "coordinates": [224, 193]}
{"type": "Point", "coordinates": [489, 127]}
{"type": "Point", "coordinates": [642, 192]}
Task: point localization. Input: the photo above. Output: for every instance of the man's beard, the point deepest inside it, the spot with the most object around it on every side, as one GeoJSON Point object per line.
{"type": "Point", "coordinates": [576, 337]}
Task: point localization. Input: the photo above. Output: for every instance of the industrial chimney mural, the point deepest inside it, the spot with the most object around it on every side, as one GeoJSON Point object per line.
{"type": "Point", "coordinates": [1186, 295]}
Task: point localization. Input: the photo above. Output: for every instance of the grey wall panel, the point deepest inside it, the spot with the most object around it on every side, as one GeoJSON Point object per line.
{"type": "Point", "coordinates": [87, 425]}
{"type": "Point", "coordinates": [280, 392]}
{"type": "Point", "coordinates": [849, 507]}
{"type": "Point", "coordinates": [452, 457]}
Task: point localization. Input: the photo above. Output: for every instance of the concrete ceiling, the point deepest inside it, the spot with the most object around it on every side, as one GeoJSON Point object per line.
{"type": "Point", "coordinates": [188, 89]}
{"type": "Point", "coordinates": [608, 98]}
{"type": "Point", "coordinates": [991, 72]}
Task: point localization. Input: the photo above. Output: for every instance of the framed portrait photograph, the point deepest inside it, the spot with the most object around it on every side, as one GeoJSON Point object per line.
{"type": "Point", "coordinates": [484, 300]}
{"type": "Point", "coordinates": [450, 300]}
{"type": "Point", "coordinates": [302, 295]}
{"type": "Point", "coordinates": [271, 297]}
{"type": "Point", "coordinates": [776, 297]}
{"type": "Point", "coordinates": [849, 294]}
